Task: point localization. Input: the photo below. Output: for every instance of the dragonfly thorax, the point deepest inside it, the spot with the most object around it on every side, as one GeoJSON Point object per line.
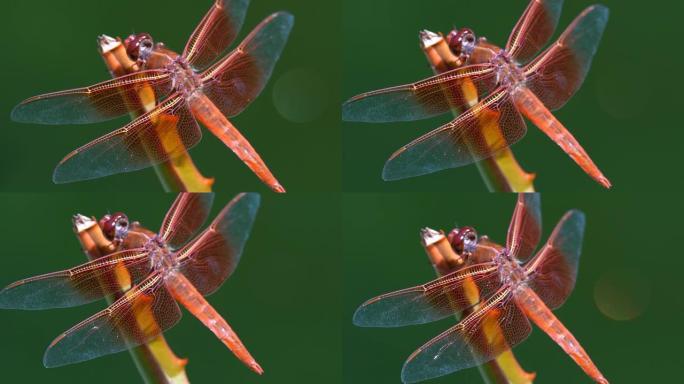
{"type": "Point", "coordinates": [184, 78]}
{"type": "Point", "coordinates": [511, 272]}
{"type": "Point", "coordinates": [161, 257]}
{"type": "Point", "coordinates": [508, 73]}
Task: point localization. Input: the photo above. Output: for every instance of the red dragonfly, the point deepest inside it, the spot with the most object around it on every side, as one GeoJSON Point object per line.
{"type": "Point", "coordinates": [193, 90]}
{"type": "Point", "coordinates": [512, 291]}
{"type": "Point", "coordinates": [165, 268]}
{"type": "Point", "coordinates": [514, 81]}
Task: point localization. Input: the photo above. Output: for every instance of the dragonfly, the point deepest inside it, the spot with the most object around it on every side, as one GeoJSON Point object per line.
{"type": "Point", "coordinates": [512, 81]}
{"type": "Point", "coordinates": [514, 288]}
{"type": "Point", "coordinates": [165, 269]}
{"type": "Point", "coordinates": [190, 87]}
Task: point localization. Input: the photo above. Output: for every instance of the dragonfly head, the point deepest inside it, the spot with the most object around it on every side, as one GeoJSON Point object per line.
{"type": "Point", "coordinates": [139, 46]}
{"type": "Point", "coordinates": [115, 226]}
{"type": "Point", "coordinates": [463, 240]}
{"type": "Point", "coordinates": [462, 42]}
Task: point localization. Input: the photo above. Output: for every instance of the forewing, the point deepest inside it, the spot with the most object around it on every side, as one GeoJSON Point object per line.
{"type": "Point", "coordinates": [524, 231]}
{"type": "Point", "coordinates": [553, 271]}
{"type": "Point", "coordinates": [483, 335]}
{"type": "Point", "coordinates": [534, 29]}
{"type": "Point", "coordinates": [559, 72]}
{"type": "Point", "coordinates": [211, 257]}
{"type": "Point", "coordinates": [165, 132]}
{"type": "Point", "coordinates": [80, 285]}
{"type": "Point", "coordinates": [143, 313]}
{"type": "Point", "coordinates": [446, 296]}
{"type": "Point", "coordinates": [488, 127]}
{"type": "Point", "coordinates": [235, 81]}
{"type": "Point", "coordinates": [185, 217]}
{"type": "Point", "coordinates": [215, 32]}
{"type": "Point", "coordinates": [100, 102]}
{"type": "Point", "coordinates": [455, 89]}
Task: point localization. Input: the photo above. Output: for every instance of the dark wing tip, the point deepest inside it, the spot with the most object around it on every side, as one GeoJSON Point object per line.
{"type": "Point", "coordinates": [347, 114]}
{"type": "Point", "coordinates": [13, 297]}
{"type": "Point", "coordinates": [21, 114]}
{"type": "Point", "coordinates": [395, 168]}
{"type": "Point", "coordinates": [362, 319]}
{"type": "Point", "coordinates": [358, 318]}
{"type": "Point", "coordinates": [389, 174]}
{"type": "Point", "coordinates": [287, 16]}
{"type": "Point", "coordinates": [601, 9]}
{"type": "Point", "coordinates": [355, 111]}
{"type": "Point", "coordinates": [52, 357]}
{"type": "Point", "coordinates": [60, 176]}
{"type": "Point", "coordinates": [252, 199]}
{"type": "Point", "coordinates": [579, 218]}
{"type": "Point", "coordinates": [284, 19]}
{"type": "Point", "coordinates": [407, 377]}
{"type": "Point", "coordinates": [5, 302]}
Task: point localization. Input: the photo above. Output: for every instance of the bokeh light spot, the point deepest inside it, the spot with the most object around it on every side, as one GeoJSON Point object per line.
{"type": "Point", "coordinates": [622, 294]}
{"type": "Point", "coordinates": [301, 95]}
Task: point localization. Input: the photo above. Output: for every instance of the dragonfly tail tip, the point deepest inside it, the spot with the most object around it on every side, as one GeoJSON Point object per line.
{"type": "Point", "coordinates": [278, 188]}
{"type": "Point", "coordinates": [605, 182]}
{"type": "Point", "coordinates": [254, 366]}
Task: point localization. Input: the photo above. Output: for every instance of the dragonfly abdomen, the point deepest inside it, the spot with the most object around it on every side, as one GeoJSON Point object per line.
{"type": "Point", "coordinates": [535, 309]}
{"type": "Point", "coordinates": [533, 108]}
{"type": "Point", "coordinates": [185, 293]}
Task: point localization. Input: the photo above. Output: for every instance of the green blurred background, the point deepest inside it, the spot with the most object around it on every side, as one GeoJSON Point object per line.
{"type": "Point", "coordinates": [630, 269]}
{"type": "Point", "coordinates": [624, 115]}
{"type": "Point", "coordinates": [294, 124]}
{"type": "Point", "coordinates": [284, 300]}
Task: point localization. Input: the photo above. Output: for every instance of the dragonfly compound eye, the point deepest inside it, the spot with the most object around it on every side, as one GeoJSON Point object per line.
{"type": "Point", "coordinates": [469, 239]}
{"type": "Point", "coordinates": [462, 42]}
{"type": "Point", "coordinates": [452, 41]}
{"type": "Point", "coordinates": [115, 226]}
{"type": "Point", "coordinates": [139, 46]}
{"type": "Point", "coordinates": [463, 240]}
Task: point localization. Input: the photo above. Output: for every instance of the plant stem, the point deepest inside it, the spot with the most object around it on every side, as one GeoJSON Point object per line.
{"type": "Point", "coordinates": [504, 369]}
{"type": "Point", "coordinates": [501, 172]}
{"type": "Point", "coordinates": [179, 173]}
{"type": "Point", "coordinates": [155, 361]}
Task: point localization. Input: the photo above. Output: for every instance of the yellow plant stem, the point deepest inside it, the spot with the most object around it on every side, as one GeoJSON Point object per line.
{"type": "Point", "coordinates": [501, 172]}
{"type": "Point", "coordinates": [504, 369]}
{"type": "Point", "coordinates": [179, 173]}
{"type": "Point", "coordinates": [155, 361]}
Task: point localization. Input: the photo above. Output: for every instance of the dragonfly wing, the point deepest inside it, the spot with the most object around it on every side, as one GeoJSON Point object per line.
{"type": "Point", "coordinates": [211, 257]}
{"type": "Point", "coordinates": [434, 96]}
{"type": "Point", "coordinates": [524, 231]}
{"type": "Point", "coordinates": [187, 214]}
{"type": "Point", "coordinates": [480, 337]}
{"type": "Point", "coordinates": [100, 102]}
{"type": "Point", "coordinates": [560, 71]}
{"type": "Point", "coordinates": [215, 32]}
{"type": "Point", "coordinates": [553, 271]}
{"type": "Point", "coordinates": [534, 29]}
{"type": "Point", "coordinates": [491, 125]}
{"type": "Point", "coordinates": [143, 313]}
{"type": "Point", "coordinates": [165, 132]}
{"type": "Point", "coordinates": [235, 81]}
{"type": "Point", "coordinates": [80, 285]}
{"type": "Point", "coordinates": [443, 297]}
